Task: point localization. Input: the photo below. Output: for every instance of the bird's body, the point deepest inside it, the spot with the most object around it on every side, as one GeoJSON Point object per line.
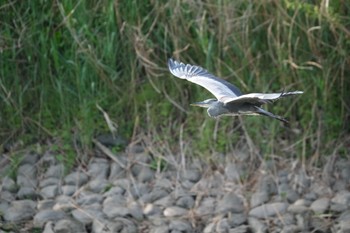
{"type": "Point", "coordinates": [229, 99]}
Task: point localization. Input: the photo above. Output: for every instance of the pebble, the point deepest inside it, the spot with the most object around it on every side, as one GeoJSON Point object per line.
{"type": "Point", "coordinates": [9, 184]}
{"type": "Point", "coordinates": [49, 227]}
{"type": "Point", "coordinates": [206, 206]}
{"type": "Point", "coordinates": [26, 181]}
{"type": "Point", "coordinates": [175, 211]}
{"type": "Point", "coordinates": [230, 203]}
{"type": "Point", "coordinates": [69, 190]}
{"type": "Point", "coordinates": [86, 199]}
{"type": "Point", "coordinates": [49, 181]}
{"type": "Point", "coordinates": [26, 193]}
{"type": "Point", "coordinates": [55, 171]}
{"type": "Point", "coordinates": [152, 210]}
{"type": "Point", "coordinates": [258, 198]}
{"type": "Point", "coordinates": [27, 170]}
{"type": "Point", "coordinates": [268, 185]}
{"type": "Point", "coordinates": [69, 226]}
{"type": "Point", "coordinates": [87, 215]}
{"type": "Point", "coordinates": [256, 225]}
{"type": "Point", "coordinates": [268, 210]}
{"type": "Point", "coordinates": [146, 175]}
{"type": "Point", "coordinates": [237, 219]}
{"type": "Point", "coordinates": [76, 178]}
{"type": "Point", "coordinates": [45, 204]}
{"type": "Point", "coordinates": [180, 225]}
{"type": "Point", "coordinates": [192, 175]}
{"type": "Point", "coordinates": [49, 192]}
{"type": "Point", "coordinates": [154, 195]}
{"type": "Point", "coordinates": [116, 172]}
{"type": "Point", "coordinates": [186, 202]}
{"type": "Point", "coordinates": [98, 185]}
{"type": "Point", "coordinates": [46, 215]}
{"type": "Point", "coordinates": [98, 168]}
{"type": "Point", "coordinates": [320, 205]}
{"type": "Point", "coordinates": [233, 172]}
{"type": "Point", "coordinates": [20, 211]}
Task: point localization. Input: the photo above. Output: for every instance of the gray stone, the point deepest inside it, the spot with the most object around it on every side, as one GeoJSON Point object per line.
{"type": "Point", "coordinates": [117, 211]}
{"type": "Point", "coordinates": [240, 229]}
{"type": "Point", "coordinates": [186, 184]}
{"type": "Point", "coordinates": [139, 189]}
{"type": "Point", "coordinates": [175, 211]}
{"type": "Point", "coordinates": [135, 210]}
{"type": "Point", "coordinates": [258, 198]}
{"type": "Point", "coordinates": [99, 168]}
{"type": "Point", "coordinates": [297, 209]}
{"type": "Point", "coordinates": [27, 170]}
{"type": "Point", "coordinates": [268, 210]}
{"type": "Point", "coordinates": [30, 158]}
{"type": "Point", "coordinates": [9, 184]}
{"type": "Point", "coordinates": [6, 195]}
{"type": "Point", "coordinates": [180, 225]}
{"type": "Point", "coordinates": [154, 195]}
{"type": "Point", "coordinates": [164, 183]}
{"type": "Point", "coordinates": [24, 181]}
{"type": "Point", "coordinates": [76, 178]}
{"type": "Point", "coordinates": [26, 193]}
{"type": "Point", "coordinates": [301, 181]}
{"type": "Point", "coordinates": [121, 225]}
{"type": "Point", "coordinates": [291, 229]}
{"type": "Point", "coordinates": [233, 172]}
{"type": "Point", "coordinates": [20, 211]}
{"type": "Point", "coordinates": [206, 207]}
{"type": "Point", "coordinates": [321, 205]}
{"type": "Point", "coordinates": [44, 216]}
{"type": "Point", "coordinates": [237, 219]}
{"type": "Point", "coordinates": [257, 226]}
{"type": "Point", "coordinates": [69, 226]}
{"type": "Point", "coordinates": [89, 199]}
{"type": "Point", "coordinates": [344, 226]}
{"type": "Point", "coordinates": [268, 185]}
{"type": "Point", "coordinates": [98, 185]}
{"type": "Point", "coordinates": [64, 203]}
{"type": "Point", "coordinates": [341, 201]}
{"type": "Point", "coordinates": [49, 191]}
{"type": "Point", "coordinates": [87, 215]}
{"type": "Point", "coordinates": [55, 171]}
{"type": "Point", "coordinates": [160, 229]}
{"type": "Point", "coordinates": [45, 204]}
{"type": "Point", "coordinates": [152, 210]}
{"type": "Point", "coordinates": [69, 190]}
{"type": "Point", "coordinates": [292, 196]}
{"type": "Point", "coordinates": [209, 228]}
{"type": "Point", "coordinates": [115, 200]}
{"type": "Point", "coordinates": [186, 202]}
{"type": "Point", "coordinates": [192, 175]}
{"type": "Point", "coordinates": [49, 227]}
{"type": "Point", "coordinates": [4, 206]}
{"type": "Point", "coordinates": [114, 191]}
{"type": "Point", "coordinates": [222, 225]}
{"type": "Point", "coordinates": [146, 175]}
{"type": "Point", "coordinates": [230, 203]}
{"type": "Point", "coordinates": [116, 172]}
{"type": "Point", "coordinates": [165, 201]}
{"type": "Point", "coordinates": [49, 181]}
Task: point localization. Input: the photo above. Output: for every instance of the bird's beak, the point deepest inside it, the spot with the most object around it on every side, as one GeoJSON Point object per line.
{"type": "Point", "coordinates": [200, 104]}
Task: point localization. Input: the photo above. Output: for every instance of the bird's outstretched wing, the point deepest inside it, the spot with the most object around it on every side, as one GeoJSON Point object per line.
{"type": "Point", "coordinates": [259, 98]}
{"type": "Point", "coordinates": [196, 74]}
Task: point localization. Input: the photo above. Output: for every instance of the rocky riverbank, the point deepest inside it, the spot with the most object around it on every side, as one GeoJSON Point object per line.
{"type": "Point", "coordinates": [130, 193]}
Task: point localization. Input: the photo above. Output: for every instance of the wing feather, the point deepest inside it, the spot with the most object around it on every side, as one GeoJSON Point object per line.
{"type": "Point", "coordinates": [196, 74]}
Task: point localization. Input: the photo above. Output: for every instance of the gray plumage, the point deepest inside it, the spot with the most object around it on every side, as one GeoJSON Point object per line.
{"type": "Point", "coordinates": [229, 99]}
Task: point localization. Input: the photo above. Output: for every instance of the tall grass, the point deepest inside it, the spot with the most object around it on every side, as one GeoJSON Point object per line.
{"type": "Point", "coordinates": [61, 58]}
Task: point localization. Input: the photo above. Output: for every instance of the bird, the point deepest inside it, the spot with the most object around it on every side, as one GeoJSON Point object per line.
{"type": "Point", "coordinates": [229, 100]}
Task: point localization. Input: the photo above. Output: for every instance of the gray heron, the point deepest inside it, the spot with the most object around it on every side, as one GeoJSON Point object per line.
{"type": "Point", "coordinates": [229, 99]}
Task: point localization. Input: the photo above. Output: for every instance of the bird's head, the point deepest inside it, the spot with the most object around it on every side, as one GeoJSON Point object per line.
{"type": "Point", "coordinates": [205, 104]}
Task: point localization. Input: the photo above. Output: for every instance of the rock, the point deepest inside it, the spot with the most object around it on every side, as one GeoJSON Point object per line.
{"type": "Point", "coordinates": [240, 229]}
{"type": "Point", "coordinates": [55, 171]}
{"type": "Point", "coordinates": [237, 219]}
{"type": "Point", "coordinates": [26, 193]}
{"type": "Point", "coordinates": [230, 203]}
{"type": "Point", "coordinates": [154, 195]}
{"type": "Point", "coordinates": [98, 185]}
{"type": "Point", "coordinates": [297, 209]}
{"type": "Point", "coordinates": [49, 181]}
{"type": "Point", "coordinates": [164, 183]}
{"type": "Point", "coordinates": [192, 175]}
{"type": "Point", "coordinates": [268, 210]}
{"type": "Point", "coordinates": [135, 210]}
{"type": "Point", "coordinates": [139, 189]}
{"type": "Point", "coordinates": [69, 226]}
{"type": "Point", "coordinates": [86, 199]}
{"type": "Point", "coordinates": [320, 205]}
{"type": "Point", "coordinates": [146, 175]}
{"type": "Point", "coordinates": [160, 229]}
{"type": "Point", "coordinates": [206, 207]}
{"type": "Point", "coordinates": [268, 185]}
{"type": "Point", "coordinates": [47, 215]}
{"type": "Point", "coordinates": [116, 172]}
{"type": "Point", "coordinates": [119, 225]}
{"type": "Point", "coordinates": [301, 181]}
{"type": "Point", "coordinates": [98, 168]}
{"type": "Point", "coordinates": [24, 181]}
{"type": "Point", "coordinates": [256, 225]}
{"type": "Point", "coordinates": [344, 226]}
{"type": "Point", "coordinates": [233, 172]}
{"type": "Point", "coordinates": [165, 201]}
{"type": "Point", "coordinates": [291, 229]}
{"type": "Point", "coordinates": [341, 201]}
{"type": "Point", "coordinates": [114, 191]}
{"type": "Point", "coordinates": [49, 191]}
{"type": "Point", "coordinates": [87, 215]}
{"type": "Point", "coordinates": [69, 190]}
{"type": "Point", "coordinates": [209, 228]}
{"type": "Point", "coordinates": [64, 203]}
{"type": "Point", "coordinates": [258, 198]}
{"type": "Point", "coordinates": [30, 158]}
{"type": "Point", "coordinates": [49, 227]}
{"type": "Point", "coordinates": [152, 210]}
{"type": "Point", "coordinates": [6, 195]}
{"type": "Point", "coordinates": [9, 184]}
{"type": "Point", "coordinates": [27, 170]}
{"type": "Point", "coordinates": [222, 225]}
{"type": "Point", "coordinates": [186, 202]}
{"type": "Point", "coordinates": [180, 225]}
{"type": "Point", "coordinates": [45, 204]}
{"type": "Point", "coordinates": [20, 211]}
{"type": "Point", "coordinates": [76, 178]}
{"type": "Point", "coordinates": [175, 211]}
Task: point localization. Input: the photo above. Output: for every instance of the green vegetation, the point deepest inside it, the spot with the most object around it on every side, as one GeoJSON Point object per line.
{"type": "Point", "coordinates": [60, 59]}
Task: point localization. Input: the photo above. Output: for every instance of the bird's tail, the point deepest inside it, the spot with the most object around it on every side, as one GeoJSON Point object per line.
{"type": "Point", "coordinates": [269, 114]}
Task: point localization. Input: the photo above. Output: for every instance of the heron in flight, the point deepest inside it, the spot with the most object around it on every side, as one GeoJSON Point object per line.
{"type": "Point", "coordinates": [229, 99]}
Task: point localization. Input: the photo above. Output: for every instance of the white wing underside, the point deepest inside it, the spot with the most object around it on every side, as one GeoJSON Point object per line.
{"type": "Point", "coordinates": [258, 97]}
{"type": "Point", "coordinates": [196, 74]}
